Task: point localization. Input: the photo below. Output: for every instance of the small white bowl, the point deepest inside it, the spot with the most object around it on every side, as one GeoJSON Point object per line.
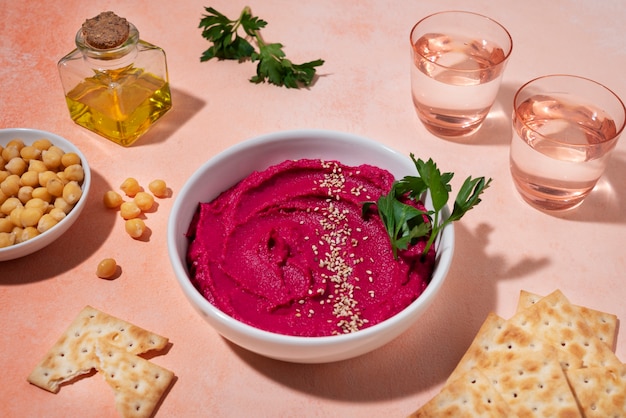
{"type": "Point", "coordinates": [232, 165]}
{"type": "Point", "coordinates": [40, 241]}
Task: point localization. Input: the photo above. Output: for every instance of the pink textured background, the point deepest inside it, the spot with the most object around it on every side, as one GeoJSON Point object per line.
{"type": "Point", "coordinates": [502, 246]}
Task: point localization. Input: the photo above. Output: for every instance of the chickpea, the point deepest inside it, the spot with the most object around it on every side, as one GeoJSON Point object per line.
{"type": "Point", "coordinates": [63, 205]}
{"type": "Point", "coordinates": [158, 188]}
{"type": "Point", "coordinates": [7, 239]}
{"type": "Point", "coordinates": [112, 199]}
{"type": "Point", "coordinates": [42, 144]}
{"type": "Point", "coordinates": [10, 151]}
{"type": "Point", "coordinates": [37, 166]}
{"type": "Point", "coordinates": [30, 152]}
{"type": "Point", "coordinates": [10, 185]}
{"type": "Point", "coordinates": [57, 214]}
{"type": "Point", "coordinates": [25, 193]}
{"type": "Point", "coordinates": [144, 201]}
{"type": "Point", "coordinates": [16, 216]}
{"type": "Point", "coordinates": [46, 222]}
{"type": "Point", "coordinates": [6, 225]}
{"type": "Point", "coordinates": [37, 203]}
{"type": "Point", "coordinates": [107, 268]}
{"type": "Point", "coordinates": [74, 172]}
{"type": "Point", "coordinates": [45, 176]}
{"type": "Point", "coordinates": [72, 192]}
{"type": "Point", "coordinates": [17, 143]}
{"type": "Point", "coordinates": [55, 187]}
{"type": "Point", "coordinates": [30, 178]}
{"type": "Point", "coordinates": [30, 216]}
{"type": "Point", "coordinates": [135, 227]}
{"type": "Point", "coordinates": [51, 159]}
{"type": "Point", "coordinates": [129, 210]}
{"type": "Point", "coordinates": [25, 234]}
{"type": "Point", "coordinates": [10, 204]}
{"type": "Point", "coordinates": [16, 165]}
{"type": "Point", "coordinates": [42, 193]}
{"type": "Point", "coordinates": [130, 186]}
{"type": "Point", "coordinates": [70, 158]}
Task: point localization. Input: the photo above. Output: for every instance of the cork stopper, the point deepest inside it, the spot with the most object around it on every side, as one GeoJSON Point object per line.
{"type": "Point", "coordinates": [105, 31]}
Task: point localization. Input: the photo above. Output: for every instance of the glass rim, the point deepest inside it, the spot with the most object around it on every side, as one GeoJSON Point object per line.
{"type": "Point", "coordinates": [498, 24]}
{"type": "Point", "coordinates": [619, 101]}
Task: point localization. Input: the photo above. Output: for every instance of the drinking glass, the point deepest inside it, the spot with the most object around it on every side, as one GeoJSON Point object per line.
{"type": "Point", "coordinates": [458, 59]}
{"type": "Point", "coordinates": [564, 129]}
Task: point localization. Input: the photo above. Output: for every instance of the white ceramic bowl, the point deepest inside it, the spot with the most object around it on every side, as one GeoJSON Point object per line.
{"type": "Point", "coordinates": [230, 166]}
{"type": "Point", "coordinates": [40, 241]}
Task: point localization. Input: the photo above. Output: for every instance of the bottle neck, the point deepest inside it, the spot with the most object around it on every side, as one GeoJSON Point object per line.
{"type": "Point", "coordinates": [113, 58]}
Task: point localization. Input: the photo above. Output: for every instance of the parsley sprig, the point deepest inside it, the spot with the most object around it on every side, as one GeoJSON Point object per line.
{"type": "Point", "coordinates": [405, 223]}
{"type": "Point", "coordinates": [229, 44]}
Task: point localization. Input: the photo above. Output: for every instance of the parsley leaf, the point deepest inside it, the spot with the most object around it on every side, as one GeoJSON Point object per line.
{"type": "Point", "coordinates": [272, 65]}
{"type": "Point", "coordinates": [405, 223]}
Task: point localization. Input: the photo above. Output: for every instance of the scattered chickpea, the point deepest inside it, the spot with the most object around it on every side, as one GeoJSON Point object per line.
{"type": "Point", "coordinates": [135, 227]}
{"type": "Point", "coordinates": [106, 268]}
{"type": "Point", "coordinates": [112, 199]}
{"type": "Point", "coordinates": [144, 201]}
{"type": "Point", "coordinates": [130, 186]}
{"type": "Point", "coordinates": [158, 188]}
{"type": "Point", "coordinates": [129, 210]}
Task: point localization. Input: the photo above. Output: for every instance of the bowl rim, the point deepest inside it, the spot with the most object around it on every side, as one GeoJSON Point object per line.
{"type": "Point", "coordinates": [443, 258]}
{"type": "Point", "coordinates": [36, 243]}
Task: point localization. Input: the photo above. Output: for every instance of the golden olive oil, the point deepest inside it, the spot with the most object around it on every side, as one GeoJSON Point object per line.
{"type": "Point", "coordinates": [119, 105]}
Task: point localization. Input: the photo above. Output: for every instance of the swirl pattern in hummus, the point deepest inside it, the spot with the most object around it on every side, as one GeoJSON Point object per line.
{"type": "Point", "coordinates": [287, 250]}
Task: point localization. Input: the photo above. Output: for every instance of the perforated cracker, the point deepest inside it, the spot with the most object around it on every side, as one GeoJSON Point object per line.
{"type": "Point", "coordinates": [601, 393]}
{"type": "Point", "coordinates": [603, 324]}
{"type": "Point", "coordinates": [557, 321]}
{"type": "Point", "coordinates": [534, 385]}
{"type": "Point", "coordinates": [74, 352]}
{"type": "Point", "coordinates": [499, 341]}
{"type": "Point", "coordinates": [469, 396]}
{"type": "Point", "coordinates": [138, 384]}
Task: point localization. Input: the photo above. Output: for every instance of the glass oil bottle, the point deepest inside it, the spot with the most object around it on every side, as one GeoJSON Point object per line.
{"type": "Point", "coordinates": [117, 92]}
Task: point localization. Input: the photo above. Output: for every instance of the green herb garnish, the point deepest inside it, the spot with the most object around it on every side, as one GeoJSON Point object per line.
{"type": "Point", "coordinates": [405, 223]}
{"type": "Point", "coordinates": [228, 44]}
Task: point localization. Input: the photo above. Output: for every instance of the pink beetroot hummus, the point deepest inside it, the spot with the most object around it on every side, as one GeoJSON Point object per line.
{"type": "Point", "coordinates": [287, 250]}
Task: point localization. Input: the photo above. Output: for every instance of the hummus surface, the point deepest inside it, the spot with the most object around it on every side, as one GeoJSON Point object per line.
{"type": "Point", "coordinates": [287, 250]}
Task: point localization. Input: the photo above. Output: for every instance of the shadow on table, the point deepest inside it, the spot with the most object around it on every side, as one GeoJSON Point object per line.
{"type": "Point", "coordinates": [184, 106]}
{"type": "Point", "coordinates": [426, 354]}
{"type": "Point", "coordinates": [87, 234]}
